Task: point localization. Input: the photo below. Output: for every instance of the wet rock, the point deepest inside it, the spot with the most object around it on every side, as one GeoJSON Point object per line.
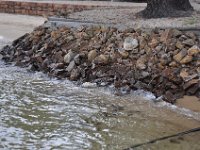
{"type": "Point", "coordinates": [89, 85]}
{"type": "Point", "coordinates": [169, 97]}
{"type": "Point", "coordinates": [57, 66]}
{"type": "Point", "coordinates": [69, 56]}
{"type": "Point", "coordinates": [92, 55]}
{"type": "Point", "coordinates": [130, 43]}
{"type": "Point", "coordinates": [190, 83]}
{"type": "Point", "coordinates": [75, 74]}
{"type": "Point", "coordinates": [186, 59]}
{"type": "Point", "coordinates": [193, 89]}
{"type": "Point", "coordinates": [141, 85]}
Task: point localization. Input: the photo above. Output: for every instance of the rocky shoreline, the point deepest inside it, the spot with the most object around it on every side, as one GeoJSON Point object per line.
{"type": "Point", "coordinates": [165, 62]}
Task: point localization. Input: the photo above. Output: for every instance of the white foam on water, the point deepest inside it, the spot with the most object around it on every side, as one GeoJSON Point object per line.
{"type": "Point", "coordinates": [1, 37]}
{"type": "Point", "coordinates": [180, 110]}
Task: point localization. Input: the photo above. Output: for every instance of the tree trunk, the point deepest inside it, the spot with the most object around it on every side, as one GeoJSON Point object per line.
{"type": "Point", "coordinates": [183, 5]}
{"type": "Point", "coordinates": [166, 8]}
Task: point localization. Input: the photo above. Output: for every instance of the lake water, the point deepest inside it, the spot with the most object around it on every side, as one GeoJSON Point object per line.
{"type": "Point", "coordinates": [37, 112]}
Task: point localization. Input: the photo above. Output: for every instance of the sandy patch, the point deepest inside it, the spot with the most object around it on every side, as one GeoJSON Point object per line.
{"type": "Point", "coordinates": [189, 102]}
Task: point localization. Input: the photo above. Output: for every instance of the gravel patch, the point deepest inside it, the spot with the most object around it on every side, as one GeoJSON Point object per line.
{"type": "Point", "coordinates": [124, 17]}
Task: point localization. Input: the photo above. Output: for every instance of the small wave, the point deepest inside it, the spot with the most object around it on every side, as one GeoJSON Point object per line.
{"type": "Point", "coordinates": [180, 110]}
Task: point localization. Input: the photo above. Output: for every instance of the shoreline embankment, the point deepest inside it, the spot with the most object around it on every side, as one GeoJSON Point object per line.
{"type": "Point", "coordinates": [165, 62]}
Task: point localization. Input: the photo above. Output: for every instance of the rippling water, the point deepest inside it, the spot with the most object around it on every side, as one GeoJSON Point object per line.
{"type": "Point", "coordinates": [41, 113]}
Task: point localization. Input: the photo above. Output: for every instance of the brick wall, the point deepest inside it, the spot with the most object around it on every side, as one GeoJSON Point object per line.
{"type": "Point", "coordinates": [40, 9]}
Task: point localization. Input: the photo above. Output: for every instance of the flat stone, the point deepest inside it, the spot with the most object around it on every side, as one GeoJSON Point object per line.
{"type": "Point", "coordinates": [178, 57]}
{"type": "Point", "coordinates": [189, 42]}
{"type": "Point", "coordinates": [186, 59]}
{"type": "Point", "coordinates": [179, 45]}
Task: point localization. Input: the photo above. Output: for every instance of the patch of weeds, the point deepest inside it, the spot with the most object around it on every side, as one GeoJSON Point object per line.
{"type": "Point", "coordinates": [191, 21]}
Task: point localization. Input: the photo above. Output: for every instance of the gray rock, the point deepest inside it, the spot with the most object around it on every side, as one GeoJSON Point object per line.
{"type": "Point", "coordinates": [189, 42]}
{"type": "Point", "coordinates": [77, 59]}
{"type": "Point", "coordinates": [69, 56]}
{"type": "Point", "coordinates": [71, 66]}
{"type": "Point", "coordinates": [177, 33]}
{"type": "Point", "coordinates": [130, 43]}
{"type": "Point", "coordinates": [75, 74]}
{"type": "Point", "coordinates": [1, 56]}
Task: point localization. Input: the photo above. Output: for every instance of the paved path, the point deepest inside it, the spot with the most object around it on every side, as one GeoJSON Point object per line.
{"type": "Point", "coordinates": [12, 25]}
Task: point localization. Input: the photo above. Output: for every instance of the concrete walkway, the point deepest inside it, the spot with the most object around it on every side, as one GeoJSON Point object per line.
{"type": "Point", "coordinates": [12, 26]}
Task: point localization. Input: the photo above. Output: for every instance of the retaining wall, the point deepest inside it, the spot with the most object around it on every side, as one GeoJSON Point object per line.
{"type": "Point", "coordinates": [40, 9]}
